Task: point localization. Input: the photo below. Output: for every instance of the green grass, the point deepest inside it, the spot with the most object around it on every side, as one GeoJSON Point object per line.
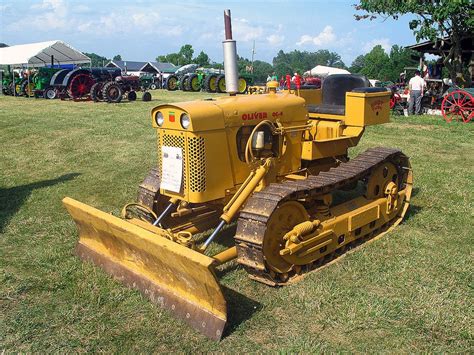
{"type": "Point", "coordinates": [409, 291]}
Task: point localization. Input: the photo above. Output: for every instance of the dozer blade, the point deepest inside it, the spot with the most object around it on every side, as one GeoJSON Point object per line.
{"type": "Point", "coordinates": [171, 275]}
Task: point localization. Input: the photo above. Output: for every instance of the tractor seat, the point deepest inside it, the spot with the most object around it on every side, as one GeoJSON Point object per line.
{"type": "Point", "coordinates": [334, 93]}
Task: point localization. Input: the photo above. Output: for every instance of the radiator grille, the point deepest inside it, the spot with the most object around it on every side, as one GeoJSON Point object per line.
{"type": "Point", "coordinates": [158, 151]}
{"type": "Point", "coordinates": [175, 141]}
{"type": "Point", "coordinates": [197, 164]}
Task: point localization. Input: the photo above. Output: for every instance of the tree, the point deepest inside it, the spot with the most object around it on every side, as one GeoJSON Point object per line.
{"type": "Point", "coordinates": [441, 21]}
{"type": "Point", "coordinates": [376, 64]}
{"type": "Point", "coordinates": [97, 60]}
{"type": "Point", "coordinates": [400, 58]}
{"type": "Point", "coordinates": [298, 61]}
{"type": "Point", "coordinates": [117, 57]}
{"type": "Point", "coordinates": [183, 57]}
{"type": "Point", "coordinates": [357, 65]}
{"type": "Point", "coordinates": [260, 72]}
{"type": "Point", "coordinates": [202, 59]}
{"type": "Point", "coordinates": [187, 52]}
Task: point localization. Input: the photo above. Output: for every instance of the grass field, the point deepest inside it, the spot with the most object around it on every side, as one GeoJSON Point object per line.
{"type": "Point", "coordinates": [410, 291]}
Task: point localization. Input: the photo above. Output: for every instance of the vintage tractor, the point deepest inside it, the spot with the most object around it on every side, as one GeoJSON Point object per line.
{"type": "Point", "coordinates": [124, 86]}
{"type": "Point", "coordinates": [41, 81]}
{"type": "Point", "coordinates": [55, 84]}
{"type": "Point", "coordinates": [244, 81]}
{"type": "Point", "coordinates": [27, 87]}
{"type": "Point", "coordinates": [7, 83]}
{"type": "Point", "coordinates": [275, 164]}
{"type": "Point", "coordinates": [101, 76]}
{"type": "Point", "coordinates": [458, 104]}
{"type": "Point", "coordinates": [80, 83]}
{"type": "Point", "coordinates": [77, 84]}
{"type": "Point", "coordinates": [204, 79]}
{"type": "Point", "coordinates": [15, 86]}
{"type": "Point", "coordinates": [213, 82]}
{"type": "Point", "coordinates": [175, 81]}
{"type": "Point", "coordinates": [149, 82]}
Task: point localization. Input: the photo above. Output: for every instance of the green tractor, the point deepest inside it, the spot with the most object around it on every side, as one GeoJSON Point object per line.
{"type": "Point", "coordinates": [7, 83]}
{"type": "Point", "coordinates": [41, 83]}
{"type": "Point", "coordinates": [205, 80]}
{"type": "Point", "coordinates": [15, 86]}
{"type": "Point", "coordinates": [245, 80]}
{"type": "Point", "coordinates": [149, 82]}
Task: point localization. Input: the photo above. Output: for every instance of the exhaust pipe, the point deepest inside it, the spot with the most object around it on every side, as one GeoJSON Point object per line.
{"type": "Point", "coordinates": [230, 57]}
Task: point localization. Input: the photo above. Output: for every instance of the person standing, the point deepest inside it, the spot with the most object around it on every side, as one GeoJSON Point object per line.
{"type": "Point", "coordinates": [416, 85]}
{"type": "Point", "coordinates": [288, 81]}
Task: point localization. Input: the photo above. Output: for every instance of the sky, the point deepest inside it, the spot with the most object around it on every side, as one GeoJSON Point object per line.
{"type": "Point", "coordinates": [141, 30]}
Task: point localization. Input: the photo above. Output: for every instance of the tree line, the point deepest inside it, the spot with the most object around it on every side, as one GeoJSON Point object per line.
{"type": "Point", "coordinates": [376, 64]}
{"type": "Point", "coordinates": [445, 23]}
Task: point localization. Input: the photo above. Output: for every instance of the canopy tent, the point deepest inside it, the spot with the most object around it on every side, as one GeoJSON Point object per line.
{"type": "Point", "coordinates": [323, 71]}
{"type": "Point", "coordinates": [41, 54]}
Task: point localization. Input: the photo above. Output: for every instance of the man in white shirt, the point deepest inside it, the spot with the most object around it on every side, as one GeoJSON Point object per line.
{"type": "Point", "coordinates": [416, 85]}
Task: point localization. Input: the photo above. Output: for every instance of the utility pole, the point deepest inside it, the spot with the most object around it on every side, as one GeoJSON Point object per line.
{"type": "Point", "coordinates": [253, 54]}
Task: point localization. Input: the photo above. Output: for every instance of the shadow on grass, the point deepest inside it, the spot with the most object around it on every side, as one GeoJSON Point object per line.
{"type": "Point", "coordinates": [239, 309]}
{"type": "Point", "coordinates": [412, 211]}
{"type": "Point", "coordinates": [415, 191]}
{"type": "Point", "coordinates": [11, 199]}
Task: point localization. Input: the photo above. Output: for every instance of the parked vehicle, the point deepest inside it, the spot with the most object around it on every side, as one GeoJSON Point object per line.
{"type": "Point", "coordinates": [124, 87]}
{"type": "Point", "coordinates": [458, 104]}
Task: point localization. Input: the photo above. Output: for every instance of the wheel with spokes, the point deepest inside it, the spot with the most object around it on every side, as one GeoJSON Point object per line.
{"type": "Point", "coordinates": [220, 81]}
{"type": "Point", "coordinates": [458, 105]}
{"type": "Point", "coordinates": [80, 86]}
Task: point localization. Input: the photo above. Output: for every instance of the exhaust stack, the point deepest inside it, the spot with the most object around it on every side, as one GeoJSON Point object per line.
{"type": "Point", "coordinates": [230, 57]}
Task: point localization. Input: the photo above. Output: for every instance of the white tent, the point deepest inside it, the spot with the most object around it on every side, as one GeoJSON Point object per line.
{"type": "Point", "coordinates": [41, 54]}
{"type": "Point", "coordinates": [323, 71]}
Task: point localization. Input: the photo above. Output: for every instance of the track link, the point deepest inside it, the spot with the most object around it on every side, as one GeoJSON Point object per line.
{"type": "Point", "coordinates": [254, 217]}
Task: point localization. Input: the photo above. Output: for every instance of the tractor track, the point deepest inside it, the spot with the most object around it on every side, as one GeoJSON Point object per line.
{"type": "Point", "coordinates": [253, 218]}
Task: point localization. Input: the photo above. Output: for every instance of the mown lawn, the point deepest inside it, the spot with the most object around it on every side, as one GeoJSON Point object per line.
{"type": "Point", "coordinates": [409, 291]}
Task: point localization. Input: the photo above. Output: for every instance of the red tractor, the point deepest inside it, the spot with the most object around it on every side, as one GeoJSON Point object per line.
{"type": "Point", "coordinates": [123, 86]}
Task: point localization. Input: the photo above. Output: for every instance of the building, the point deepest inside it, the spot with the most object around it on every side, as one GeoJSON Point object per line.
{"type": "Point", "coordinates": [141, 68]}
{"type": "Point", "coordinates": [441, 47]}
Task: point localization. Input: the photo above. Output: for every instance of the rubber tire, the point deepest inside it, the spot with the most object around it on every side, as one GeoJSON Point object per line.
{"type": "Point", "coordinates": [146, 96]}
{"type": "Point", "coordinates": [106, 92]}
{"type": "Point", "coordinates": [153, 86]}
{"type": "Point", "coordinates": [6, 91]}
{"type": "Point", "coordinates": [12, 89]}
{"type": "Point", "coordinates": [23, 86]}
{"type": "Point", "coordinates": [51, 91]}
{"type": "Point", "coordinates": [131, 95]}
{"type": "Point", "coordinates": [219, 79]}
{"type": "Point", "coordinates": [174, 80]}
{"type": "Point", "coordinates": [96, 92]}
{"type": "Point", "coordinates": [18, 88]}
{"type": "Point", "coordinates": [189, 81]}
{"type": "Point", "coordinates": [246, 85]}
{"type": "Point", "coordinates": [207, 83]}
{"type": "Point", "coordinates": [183, 83]}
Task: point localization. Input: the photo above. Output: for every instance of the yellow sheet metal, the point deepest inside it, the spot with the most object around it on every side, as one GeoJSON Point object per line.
{"type": "Point", "coordinates": [170, 274]}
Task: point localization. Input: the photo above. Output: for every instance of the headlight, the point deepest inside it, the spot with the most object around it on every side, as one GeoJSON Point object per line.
{"type": "Point", "coordinates": [159, 119]}
{"type": "Point", "coordinates": [185, 121]}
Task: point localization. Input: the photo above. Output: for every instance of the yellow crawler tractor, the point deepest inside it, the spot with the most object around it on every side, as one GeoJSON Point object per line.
{"type": "Point", "coordinates": [277, 164]}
